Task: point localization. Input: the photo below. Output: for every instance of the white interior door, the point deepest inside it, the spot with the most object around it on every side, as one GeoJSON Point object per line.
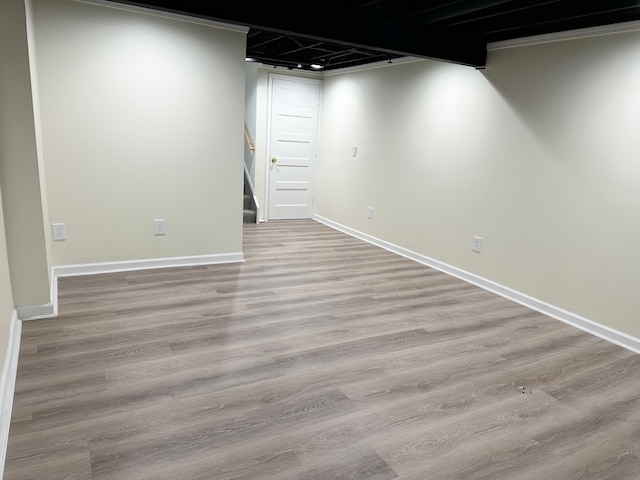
{"type": "Point", "coordinates": [295, 105]}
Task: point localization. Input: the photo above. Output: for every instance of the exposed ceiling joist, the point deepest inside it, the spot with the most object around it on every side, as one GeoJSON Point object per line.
{"type": "Point", "coordinates": [346, 33]}
{"type": "Point", "coordinates": [334, 23]}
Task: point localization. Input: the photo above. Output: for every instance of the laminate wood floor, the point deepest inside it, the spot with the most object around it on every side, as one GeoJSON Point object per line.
{"type": "Point", "coordinates": [320, 357]}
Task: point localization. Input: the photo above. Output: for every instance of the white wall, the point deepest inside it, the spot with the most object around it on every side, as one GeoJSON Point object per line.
{"type": "Point", "coordinates": [6, 296]}
{"type": "Point", "coordinates": [19, 169]}
{"type": "Point", "coordinates": [37, 120]}
{"type": "Point", "coordinates": [24, 278]}
{"type": "Point", "coordinates": [23, 260]}
{"type": "Point", "coordinates": [537, 154]}
{"type": "Point", "coordinates": [261, 153]}
{"type": "Point", "coordinates": [142, 118]}
{"type": "Point", "coordinates": [9, 344]}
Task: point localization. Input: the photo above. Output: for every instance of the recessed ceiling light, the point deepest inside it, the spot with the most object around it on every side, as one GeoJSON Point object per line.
{"type": "Point", "coordinates": [316, 66]}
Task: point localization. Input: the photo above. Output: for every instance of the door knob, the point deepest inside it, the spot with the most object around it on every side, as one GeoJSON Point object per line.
{"type": "Point", "coordinates": [274, 160]}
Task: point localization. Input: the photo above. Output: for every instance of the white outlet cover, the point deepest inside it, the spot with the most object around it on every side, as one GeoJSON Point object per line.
{"type": "Point", "coordinates": [59, 231]}
{"type": "Point", "coordinates": [160, 226]}
{"type": "Point", "coordinates": [477, 244]}
{"type": "Point", "coordinates": [370, 213]}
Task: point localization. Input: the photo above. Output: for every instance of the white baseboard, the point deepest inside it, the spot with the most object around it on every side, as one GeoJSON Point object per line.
{"type": "Point", "coordinates": [48, 310]}
{"type": "Point", "coordinates": [8, 384]}
{"type": "Point", "coordinates": [606, 333]}
{"type": "Point", "coordinates": [34, 312]}
{"type": "Point", "coordinates": [132, 265]}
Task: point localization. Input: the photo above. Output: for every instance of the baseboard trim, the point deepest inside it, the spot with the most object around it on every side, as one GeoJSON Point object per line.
{"type": "Point", "coordinates": [35, 312]}
{"type": "Point", "coordinates": [602, 331]}
{"type": "Point", "coordinates": [128, 266]}
{"type": "Point", "coordinates": [8, 384]}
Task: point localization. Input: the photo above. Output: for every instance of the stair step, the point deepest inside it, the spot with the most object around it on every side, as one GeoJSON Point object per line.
{"type": "Point", "coordinates": [248, 216]}
{"type": "Point", "coordinates": [247, 202]}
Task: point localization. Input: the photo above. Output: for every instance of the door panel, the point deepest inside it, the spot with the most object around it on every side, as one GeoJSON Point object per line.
{"type": "Point", "coordinates": [293, 144]}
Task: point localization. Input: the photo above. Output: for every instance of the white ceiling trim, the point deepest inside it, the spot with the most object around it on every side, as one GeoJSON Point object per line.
{"type": "Point", "coordinates": [169, 15]}
{"type": "Point", "coordinates": [567, 35]}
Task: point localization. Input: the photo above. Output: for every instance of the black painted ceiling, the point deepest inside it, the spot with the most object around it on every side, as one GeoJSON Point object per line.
{"type": "Point", "coordinates": [344, 33]}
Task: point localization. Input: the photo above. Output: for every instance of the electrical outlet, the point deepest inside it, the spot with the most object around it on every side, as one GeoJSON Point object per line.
{"type": "Point", "coordinates": [354, 151]}
{"type": "Point", "coordinates": [160, 226]}
{"type": "Point", "coordinates": [59, 231]}
{"type": "Point", "coordinates": [477, 244]}
{"type": "Point", "coordinates": [370, 213]}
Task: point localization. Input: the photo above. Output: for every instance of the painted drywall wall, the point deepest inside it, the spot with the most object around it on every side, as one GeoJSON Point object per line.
{"type": "Point", "coordinates": [19, 168]}
{"type": "Point", "coordinates": [142, 118]}
{"type": "Point", "coordinates": [537, 154]}
{"type": "Point", "coordinates": [6, 296]}
{"type": "Point", "coordinates": [10, 329]}
{"type": "Point", "coordinates": [262, 127]}
{"type": "Point", "coordinates": [37, 123]}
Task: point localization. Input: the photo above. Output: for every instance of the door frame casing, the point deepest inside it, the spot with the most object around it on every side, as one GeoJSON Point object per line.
{"type": "Point", "coordinates": [267, 156]}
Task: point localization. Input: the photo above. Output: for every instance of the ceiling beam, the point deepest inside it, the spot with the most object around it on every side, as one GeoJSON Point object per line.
{"type": "Point", "coordinates": [430, 13]}
{"type": "Point", "coordinates": [545, 19]}
{"type": "Point", "coordinates": [315, 23]}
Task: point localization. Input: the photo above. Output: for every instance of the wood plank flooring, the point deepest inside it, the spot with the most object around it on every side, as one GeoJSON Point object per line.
{"type": "Point", "coordinates": [320, 357]}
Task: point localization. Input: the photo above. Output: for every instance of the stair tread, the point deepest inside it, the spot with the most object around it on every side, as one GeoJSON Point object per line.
{"type": "Point", "coordinates": [248, 216]}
